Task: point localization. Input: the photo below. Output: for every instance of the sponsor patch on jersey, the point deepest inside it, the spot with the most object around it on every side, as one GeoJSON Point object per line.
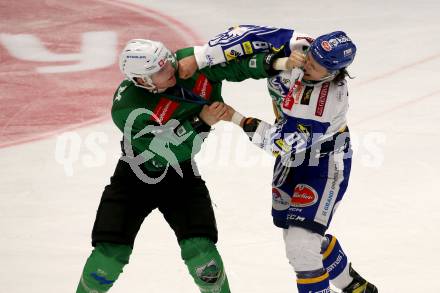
{"type": "Point", "coordinates": [293, 96]}
{"type": "Point", "coordinates": [233, 52]}
{"type": "Point", "coordinates": [304, 196]}
{"type": "Point", "coordinates": [164, 110]}
{"type": "Point", "coordinates": [322, 100]}
{"type": "Point", "coordinates": [298, 92]}
{"type": "Point", "coordinates": [247, 46]}
{"type": "Point", "coordinates": [203, 87]}
{"type": "Point", "coordinates": [280, 200]}
{"type": "Point", "coordinates": [305, 100]}
{"type": "Point", "coordinates": [288, 100]}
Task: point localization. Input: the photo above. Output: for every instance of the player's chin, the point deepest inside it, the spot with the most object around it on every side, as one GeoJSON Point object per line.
{"type": "Point", "coordinates": [310, 77]}
{"type": "Point", "coordinates": [172, 82]}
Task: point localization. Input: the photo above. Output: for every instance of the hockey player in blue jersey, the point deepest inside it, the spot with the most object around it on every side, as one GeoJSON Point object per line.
{"type": "Point", "coordinates": [310, 140]}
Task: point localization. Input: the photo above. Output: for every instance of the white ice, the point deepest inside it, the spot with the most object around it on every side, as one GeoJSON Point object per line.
{"type": "Point", "coordinates": [388, 221]}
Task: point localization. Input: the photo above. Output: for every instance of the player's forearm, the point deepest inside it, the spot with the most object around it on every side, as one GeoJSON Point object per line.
{"type": "Point", "coordinates": [202, 57]}
{"type": "Point", "coordinates": [275, 62]}
{"type": "Point", "coordinates": [257, 66]}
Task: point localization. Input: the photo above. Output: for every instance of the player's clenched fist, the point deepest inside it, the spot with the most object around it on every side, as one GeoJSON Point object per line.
{"type": "Point", "coordinates": [296, 59]}
{"type": "Point", "coordinates": [213, 113]}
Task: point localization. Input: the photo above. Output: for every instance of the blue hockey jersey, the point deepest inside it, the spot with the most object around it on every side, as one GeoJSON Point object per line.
{"type": "Point", "coordinates": [311, 113]}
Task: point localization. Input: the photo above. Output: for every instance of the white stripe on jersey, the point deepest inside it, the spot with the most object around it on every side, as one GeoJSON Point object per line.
{"type": "Point", "coordinates": [331, 190]}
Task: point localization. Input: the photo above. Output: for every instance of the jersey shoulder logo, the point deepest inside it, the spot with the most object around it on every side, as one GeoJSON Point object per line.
{"type": "Point", "coordinates": [121, 89]}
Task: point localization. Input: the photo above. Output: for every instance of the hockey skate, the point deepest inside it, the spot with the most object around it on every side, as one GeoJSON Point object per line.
{"type": "Point", "coordinates": [359, 284]}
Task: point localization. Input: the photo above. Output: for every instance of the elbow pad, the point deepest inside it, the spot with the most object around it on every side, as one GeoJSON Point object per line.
{"type": "Point", "coordinates": [250, 125]}
{"type": "Point", "coordinates": [257, 131]}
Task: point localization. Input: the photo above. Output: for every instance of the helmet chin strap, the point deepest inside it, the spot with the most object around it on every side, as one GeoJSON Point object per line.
{"type": "Point", "coordinates": [148, 83]}
{"type": "Point", "coordinates": [328, 77]}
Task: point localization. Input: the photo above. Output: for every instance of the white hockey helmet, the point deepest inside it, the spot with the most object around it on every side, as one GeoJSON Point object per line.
{"type": "Point", "coordinates": [142, 58]}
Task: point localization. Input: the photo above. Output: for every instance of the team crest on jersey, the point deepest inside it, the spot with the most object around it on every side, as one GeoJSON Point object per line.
{"type": "Point", "coordinates": [121, 89]}
{"type": "Point", "coordinates": [305, 130]}
{"type": "Point", "coordinates": [210, 272]}
{"type": "Point", "coordinates": [278, 84]}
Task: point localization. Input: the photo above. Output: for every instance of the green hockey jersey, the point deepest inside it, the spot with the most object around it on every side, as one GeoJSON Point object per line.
{"type": "Point", "coordinates": [163, 128]}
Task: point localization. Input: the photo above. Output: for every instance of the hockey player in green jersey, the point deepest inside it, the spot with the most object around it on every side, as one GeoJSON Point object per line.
{"type": "Point", "coordinates": [164, 120]}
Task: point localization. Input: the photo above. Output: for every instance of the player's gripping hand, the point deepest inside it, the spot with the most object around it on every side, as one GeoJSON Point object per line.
{"type": "Point", "coordinates": [296, 59]}
{"type": "Point", "coordinates": [232, 116]}
{"type": "Point", "coordinates": [187, 67]}
{"type": "Point", "coordinates": [213, 113]}
{"type": "Point", "coordinates": [228, 113]}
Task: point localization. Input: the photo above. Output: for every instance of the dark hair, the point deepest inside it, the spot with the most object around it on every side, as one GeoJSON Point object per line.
{"type": "Point", "coordinates": [342, 74]}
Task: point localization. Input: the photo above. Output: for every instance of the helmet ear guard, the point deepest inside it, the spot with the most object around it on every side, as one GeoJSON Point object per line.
{"type": "Point", "coordinates": [142, 58]}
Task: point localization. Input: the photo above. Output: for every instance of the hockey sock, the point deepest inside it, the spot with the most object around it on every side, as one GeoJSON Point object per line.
{"type": "Point", "coordinates": [103, 267]}
{"type": "Point", "coordinates": [313, 282]}
{"type": "Point", "coordinates": [205, 265]}
{"type": "Point", "coordinates": [335, 262]}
